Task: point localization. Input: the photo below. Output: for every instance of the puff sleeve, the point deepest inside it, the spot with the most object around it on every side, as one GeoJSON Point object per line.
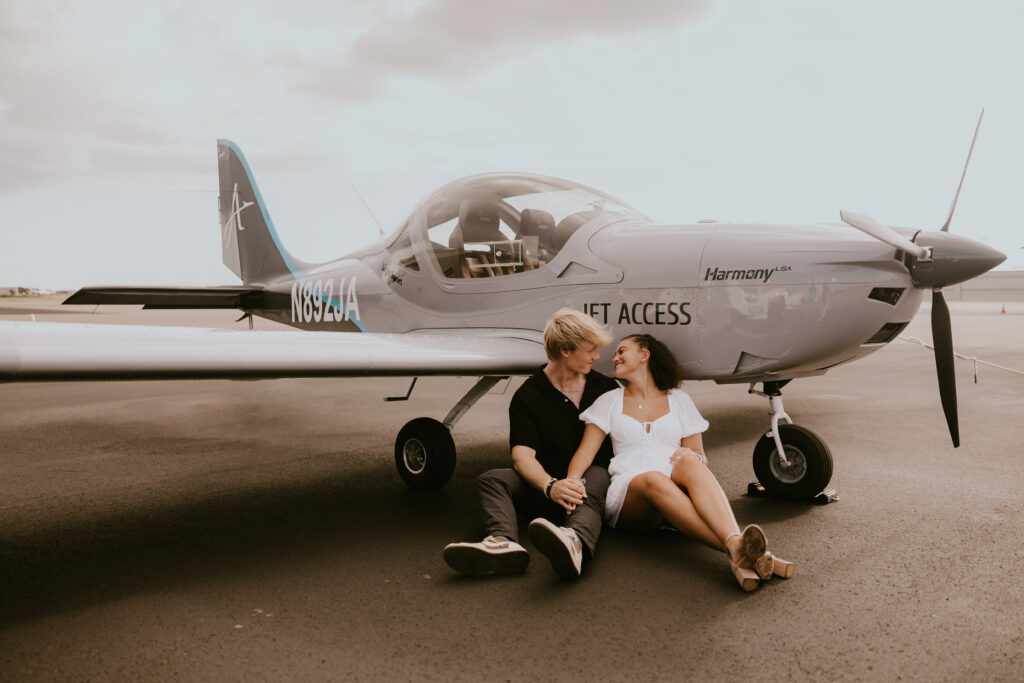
{"type": "Point", "coordinates": [600, 412]}
{"type": "Point", "coordinates": [689, 417]}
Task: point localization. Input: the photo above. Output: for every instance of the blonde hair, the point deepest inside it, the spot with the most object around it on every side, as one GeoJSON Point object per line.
{"type": "Point", "coordinates": [568, 329]}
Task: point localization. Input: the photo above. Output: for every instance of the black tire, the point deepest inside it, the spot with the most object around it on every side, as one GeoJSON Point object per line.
{"type": "Point", "coordinates": [425, 454]}
{"type": "Point", "coordinates": [809, 457]}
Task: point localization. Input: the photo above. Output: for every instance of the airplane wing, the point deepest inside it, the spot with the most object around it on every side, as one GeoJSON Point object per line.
{"type": "Point", "coordinates": [168, 297]}
{"type": "Point", "coordinates": [71, 351]}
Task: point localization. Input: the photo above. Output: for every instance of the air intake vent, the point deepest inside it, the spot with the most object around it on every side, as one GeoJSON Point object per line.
{"type": "Point", "coordinates": [887, 295]}
{"type": "Point", "coordinates": [887, 333]}
{"type": "Point", "coordinates": [575, 270]}
{"type": "Point", "coordinates": [748, 362]}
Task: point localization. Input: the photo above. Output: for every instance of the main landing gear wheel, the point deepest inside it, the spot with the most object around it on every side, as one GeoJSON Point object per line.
{"type": "Point", "coordinates": [425, 454]}
{"type": "Point", "coordinates": [809, 468]}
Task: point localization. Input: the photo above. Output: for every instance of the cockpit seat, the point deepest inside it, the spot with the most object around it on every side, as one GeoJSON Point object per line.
{"type": "Point", "coordinates": [477, 228]}
{"type": "Point", "coordinates": [536, 228]}
{"type": "Point", "coordinates": [569, 225]}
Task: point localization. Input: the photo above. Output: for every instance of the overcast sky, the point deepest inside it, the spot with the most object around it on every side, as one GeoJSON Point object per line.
{"type": "Point", "coordinates": [740, 110]}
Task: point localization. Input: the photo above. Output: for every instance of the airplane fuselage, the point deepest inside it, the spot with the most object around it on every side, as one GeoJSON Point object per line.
{"type": "Point", "coordinates": [736, 303]}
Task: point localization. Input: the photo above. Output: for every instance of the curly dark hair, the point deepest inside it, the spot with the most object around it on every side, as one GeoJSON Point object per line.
{"type": "Point", "coordinates": [663, 365]}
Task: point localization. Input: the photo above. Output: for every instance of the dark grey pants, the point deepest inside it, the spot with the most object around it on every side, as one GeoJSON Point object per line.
{"type": "Point", "coordinates": [503, 493]}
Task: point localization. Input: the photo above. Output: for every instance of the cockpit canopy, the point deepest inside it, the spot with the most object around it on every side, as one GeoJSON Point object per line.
{"type": "Point", "coordinates": [500, 224]}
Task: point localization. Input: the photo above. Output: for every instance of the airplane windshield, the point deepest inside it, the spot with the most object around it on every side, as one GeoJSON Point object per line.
{"type": "Point", "coordinates": [563, 203]}
{"type": "Point", "coordinates": [503, 224]}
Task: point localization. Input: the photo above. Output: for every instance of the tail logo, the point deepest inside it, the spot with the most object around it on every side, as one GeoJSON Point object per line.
{"type": "Point", "coordinates": [234, 221]}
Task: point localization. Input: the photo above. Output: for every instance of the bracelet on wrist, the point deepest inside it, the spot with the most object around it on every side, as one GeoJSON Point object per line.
{"type": "Point", "coordinates": [547, 489]}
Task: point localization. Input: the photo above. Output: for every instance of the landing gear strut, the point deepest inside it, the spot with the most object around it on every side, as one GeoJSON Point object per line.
{"type": "Point", "coordinates": [424, 449]}
{"type": "Point", "coordinates": [790, 461]}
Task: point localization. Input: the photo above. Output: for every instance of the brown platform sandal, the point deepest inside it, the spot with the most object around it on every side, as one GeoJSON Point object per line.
{"type": "Point", "coordinates": [753, 543]}
{"type": "Point", "coordinates": [780, 567]}
{"type": "Point", "coordinates": [754, 551]}
{"type": "Point", "coordinates": [764, 566]}
{"type": "Point", "coordinates": [745, 576]}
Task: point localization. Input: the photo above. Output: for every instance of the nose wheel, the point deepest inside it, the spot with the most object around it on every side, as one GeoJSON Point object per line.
{"type": "Point", "coordinates": [803, 473]}
{"type": "Point", "coordinates": [790, 461]}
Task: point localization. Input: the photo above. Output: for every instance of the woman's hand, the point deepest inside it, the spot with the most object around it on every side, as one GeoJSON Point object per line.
{"type": "Point", "coordinates": [683, 451]}
{"type": "Point", "coordinates": [568, 493]}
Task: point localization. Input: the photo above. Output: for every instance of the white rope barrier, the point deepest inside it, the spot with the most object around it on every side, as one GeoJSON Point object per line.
{"type": "Point", "coordinates": [973, 359]}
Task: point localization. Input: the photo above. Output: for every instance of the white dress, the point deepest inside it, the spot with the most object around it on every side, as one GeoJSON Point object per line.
{"type": "Point", "coordinates": [637, 450]}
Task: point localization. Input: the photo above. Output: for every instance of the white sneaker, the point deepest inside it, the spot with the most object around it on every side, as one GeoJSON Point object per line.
{"type": "Point", "coordinates": [490, 556]}
{"type": "Point", "coordinates": [561, 546]}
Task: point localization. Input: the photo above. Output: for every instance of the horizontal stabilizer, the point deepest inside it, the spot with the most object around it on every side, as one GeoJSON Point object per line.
{"type": "Point", "coordinates": [32, 352]}
{"type": "Point", "coordinates": [168, 297]}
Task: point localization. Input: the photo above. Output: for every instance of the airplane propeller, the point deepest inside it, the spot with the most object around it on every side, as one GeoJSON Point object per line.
{"type": "Point", "coordinates": [882, 232]}
{"type": "Point", "coordinates": [938, 259]}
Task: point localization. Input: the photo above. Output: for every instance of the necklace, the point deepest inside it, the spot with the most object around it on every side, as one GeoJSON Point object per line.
{"type": "Point", "coordinates": [639, 404]}
{"type": "Point", "coordinates": [573, 392]}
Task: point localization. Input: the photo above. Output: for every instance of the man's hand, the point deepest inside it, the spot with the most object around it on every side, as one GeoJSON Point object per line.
{"type": "Point", "coordinates": [568, 493]}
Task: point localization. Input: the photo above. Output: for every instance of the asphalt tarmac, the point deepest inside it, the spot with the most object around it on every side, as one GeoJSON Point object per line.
{"type": "Point", "coordinates": [230, 530]}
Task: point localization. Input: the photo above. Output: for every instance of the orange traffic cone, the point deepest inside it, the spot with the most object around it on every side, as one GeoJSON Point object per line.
{"type": "Point", "coordinates": [1004, 309]}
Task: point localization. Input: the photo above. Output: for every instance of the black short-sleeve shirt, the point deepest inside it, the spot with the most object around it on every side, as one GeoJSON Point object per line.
{"type": "Point", "coordinates": [542, 418]}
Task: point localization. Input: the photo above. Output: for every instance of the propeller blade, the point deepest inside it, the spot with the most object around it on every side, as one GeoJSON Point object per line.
{"type": "Point", "coordinates": [945, 227]}
{"type": "Point", "coordinates": [942, 340]}
{"type": "Point", "coordinates": [881, 232]}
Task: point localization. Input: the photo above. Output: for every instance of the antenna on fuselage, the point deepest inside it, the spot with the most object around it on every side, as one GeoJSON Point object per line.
{"type": "Point", "coordinates": [366, 206]}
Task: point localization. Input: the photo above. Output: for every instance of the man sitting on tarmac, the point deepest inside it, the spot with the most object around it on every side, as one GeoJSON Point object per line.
{"type": "Point", "coordinates": [544, 432]}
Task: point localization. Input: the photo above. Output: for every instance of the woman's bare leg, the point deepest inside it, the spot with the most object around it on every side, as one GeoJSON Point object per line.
{"type": "Point", "coordinates": [709, 499]}
{"type": "Point", "coordinates": [652, 497]}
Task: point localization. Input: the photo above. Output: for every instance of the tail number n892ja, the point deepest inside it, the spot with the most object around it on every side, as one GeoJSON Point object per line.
{"type": "Point", "coordinates": [313, 301]}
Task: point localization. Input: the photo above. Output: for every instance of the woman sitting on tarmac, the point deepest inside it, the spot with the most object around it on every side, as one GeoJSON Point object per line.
{"type": "Point", "coordinates": [659, 472]}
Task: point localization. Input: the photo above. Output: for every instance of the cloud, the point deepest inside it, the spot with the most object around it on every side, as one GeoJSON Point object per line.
{"type": "Point", "coordinates": [118, 89]}
{"type": "Point", "coordinates": [445, 39]}
{"type": "Point", "coordinates": [58, 110]}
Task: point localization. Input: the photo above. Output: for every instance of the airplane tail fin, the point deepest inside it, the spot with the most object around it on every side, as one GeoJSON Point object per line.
{"type": "Point", "coordinates": [249, 242]}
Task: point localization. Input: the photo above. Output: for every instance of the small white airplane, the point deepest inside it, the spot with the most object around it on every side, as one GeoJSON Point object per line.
{"type": "Point", "coordinates": [465, 284]}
